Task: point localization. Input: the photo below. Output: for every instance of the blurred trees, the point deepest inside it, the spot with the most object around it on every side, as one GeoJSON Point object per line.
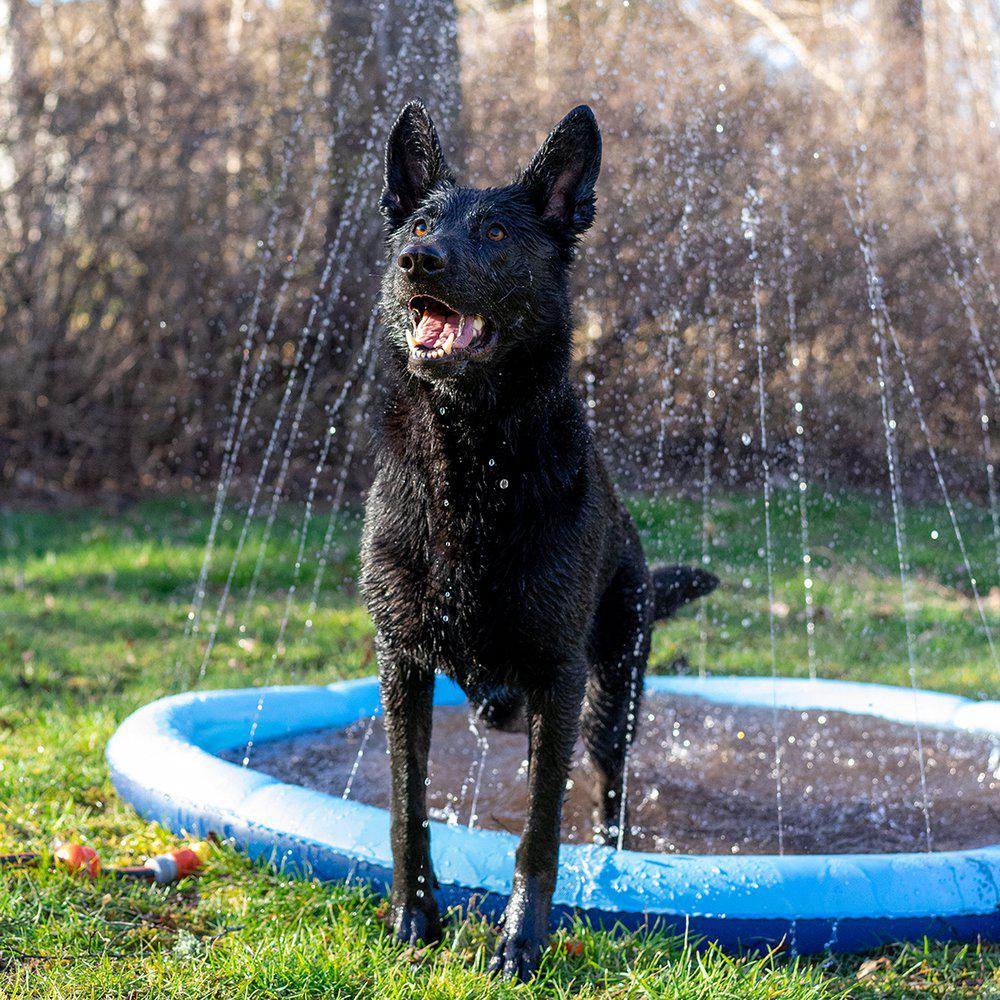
{"type": "Point", "coordinates": [807, 106]}
{"type": "Point", "coordinates": [188, 222]}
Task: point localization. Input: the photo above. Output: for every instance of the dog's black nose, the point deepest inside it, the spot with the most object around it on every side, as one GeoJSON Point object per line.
{"type": "Point", "coordinates": [421, 260]}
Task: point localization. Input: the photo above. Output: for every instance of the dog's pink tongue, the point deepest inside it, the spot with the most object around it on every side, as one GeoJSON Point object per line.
{"type": "Point", "coordinates": [466, 331]}
{"type": "Point", "coordinates": [434, 329]}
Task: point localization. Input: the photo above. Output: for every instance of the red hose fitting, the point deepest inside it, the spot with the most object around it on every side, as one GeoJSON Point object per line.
{"type": "Point", "coordinates": [173, 865]}
{"type": "Point", "coordinates": [79, 858]}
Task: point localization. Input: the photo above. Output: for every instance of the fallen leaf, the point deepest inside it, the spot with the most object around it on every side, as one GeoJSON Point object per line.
{"type": "Point", "coordinates": [416, 956]}
{"type": "Point", "coordinates": [872, 965]}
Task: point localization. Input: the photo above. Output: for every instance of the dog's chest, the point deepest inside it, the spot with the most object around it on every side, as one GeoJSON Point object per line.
{"type": "Point", "coordinates": [456, 569]}
{"type": "Point", "coordinates": [450, 545]}
{"type": "Point", "coordinates": [476, 557]}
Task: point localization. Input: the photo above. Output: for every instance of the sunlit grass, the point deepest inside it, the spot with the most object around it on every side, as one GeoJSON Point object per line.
{"type": "Point", "coordinates": [93, 610]}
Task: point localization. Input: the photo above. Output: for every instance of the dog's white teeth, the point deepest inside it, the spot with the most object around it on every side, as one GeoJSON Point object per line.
{"type": "Point", "coordinates": [449, 343]}
{"type": "Point", "coordinates": [478, 323]}
{"type": "Point", "coordinates": [410, 341]}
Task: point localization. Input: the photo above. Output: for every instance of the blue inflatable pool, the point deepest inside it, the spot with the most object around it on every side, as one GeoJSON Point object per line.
{"type": "Point", "coordinates": [163, 761]}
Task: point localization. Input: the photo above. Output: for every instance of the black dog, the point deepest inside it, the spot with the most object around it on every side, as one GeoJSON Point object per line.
{"type": "Point", "coordinates": [495, 548]}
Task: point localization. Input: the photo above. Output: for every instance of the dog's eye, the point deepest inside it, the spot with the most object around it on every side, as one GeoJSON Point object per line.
{"type": "Point", "coordinates": [496, 233]}
{"type": "Point", "coordinates": [420, 227]}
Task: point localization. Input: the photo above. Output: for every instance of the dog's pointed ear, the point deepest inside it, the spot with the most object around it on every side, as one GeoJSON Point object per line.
{"type": "Point", "coordinates": [562, 176]}
{"type": "Point", "coordinates": [414, 163]}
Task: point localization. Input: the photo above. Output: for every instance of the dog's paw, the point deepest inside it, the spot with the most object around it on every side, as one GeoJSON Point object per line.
{"type": "Point", "coordinates": [516, 957]}
{"type": "Point", "coordinates": [524, 933]}
{"type": "Point", "coordinates": [417, 925]}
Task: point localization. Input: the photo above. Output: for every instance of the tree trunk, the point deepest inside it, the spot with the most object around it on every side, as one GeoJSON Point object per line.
{"type": "Point", "coordinates": [380, 58]}
{"type": "Point", "coordinates": [901, 36]}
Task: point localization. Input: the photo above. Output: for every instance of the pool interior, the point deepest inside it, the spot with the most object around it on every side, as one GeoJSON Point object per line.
{"type": "Point", "coordinates": [702, 779]}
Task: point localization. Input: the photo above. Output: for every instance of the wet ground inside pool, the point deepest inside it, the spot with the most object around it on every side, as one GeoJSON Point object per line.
{"type": "Point", "coordinates": [701, 779]}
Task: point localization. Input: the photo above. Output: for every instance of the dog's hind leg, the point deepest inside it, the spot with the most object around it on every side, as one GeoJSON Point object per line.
{"type": "Point", "coordinates": [619, 648]}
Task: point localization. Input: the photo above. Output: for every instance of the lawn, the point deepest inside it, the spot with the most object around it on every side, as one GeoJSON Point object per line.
{"type": "Point", "coordinates": [93, 612]}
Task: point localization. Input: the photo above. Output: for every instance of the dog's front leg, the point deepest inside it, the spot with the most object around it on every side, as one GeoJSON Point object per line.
{"type": "Point", "coordinates": [554, 720]}
{"type": "Point", "coordinates": [407, 698]}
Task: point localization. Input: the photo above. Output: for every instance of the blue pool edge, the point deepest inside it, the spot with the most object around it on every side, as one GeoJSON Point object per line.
{"type": "Point", "coordinates": [163, 761]}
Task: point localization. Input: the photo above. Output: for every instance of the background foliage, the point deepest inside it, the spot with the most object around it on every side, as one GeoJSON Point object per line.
{"type": "Point", "coordinates": [173, 177]}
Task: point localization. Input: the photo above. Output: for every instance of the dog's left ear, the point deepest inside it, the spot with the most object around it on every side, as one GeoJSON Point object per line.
{"type": "Point", "coordinates": [563, 174]}
{"type": "Point", "coordinates": [414, 163]}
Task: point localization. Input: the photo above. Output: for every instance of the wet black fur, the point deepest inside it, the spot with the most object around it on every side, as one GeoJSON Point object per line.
{"type": "Point", "coordinates": [495, 547]}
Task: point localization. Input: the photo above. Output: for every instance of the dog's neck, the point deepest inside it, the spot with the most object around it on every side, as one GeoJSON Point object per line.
{"type": "Point", "coordinates": [460, 429]}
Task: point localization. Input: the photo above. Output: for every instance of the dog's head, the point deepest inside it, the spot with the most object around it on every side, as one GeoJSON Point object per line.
{"type": "Point", "coordinates": [475, 276]}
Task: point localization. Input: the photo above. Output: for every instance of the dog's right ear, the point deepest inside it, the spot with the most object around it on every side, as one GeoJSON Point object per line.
{"type": "Point", "coordinates": [414, 163]}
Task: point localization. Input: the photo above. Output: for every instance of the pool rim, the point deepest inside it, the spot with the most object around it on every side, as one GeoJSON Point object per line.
{"type": "Point", "coordinates": [163, 761]}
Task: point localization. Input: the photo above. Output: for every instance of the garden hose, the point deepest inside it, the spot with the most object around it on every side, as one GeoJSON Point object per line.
{"type": "Point", "coordinates": [163, 869]}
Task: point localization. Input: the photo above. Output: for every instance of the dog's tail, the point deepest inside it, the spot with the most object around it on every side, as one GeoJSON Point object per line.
{"type": "Point", "coordinates": [675, 586]}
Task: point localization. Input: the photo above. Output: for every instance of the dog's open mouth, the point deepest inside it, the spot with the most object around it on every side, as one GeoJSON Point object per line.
{"type": "Point", "coordinates": [440, 331]}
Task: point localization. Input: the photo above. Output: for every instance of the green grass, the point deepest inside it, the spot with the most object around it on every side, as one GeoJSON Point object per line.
{"type": "Point", "coordinates": [92, 625]}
